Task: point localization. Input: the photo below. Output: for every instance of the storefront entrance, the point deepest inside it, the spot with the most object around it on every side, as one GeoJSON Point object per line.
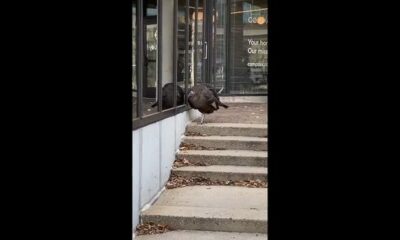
{"type": "Point", "coordinates": [219, 42]}
{"type": "Point", "coordinates": [232, 45]}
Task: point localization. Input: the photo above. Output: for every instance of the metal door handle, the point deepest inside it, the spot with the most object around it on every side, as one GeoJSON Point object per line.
{"type": "Point", "coordinates": [206, 50]}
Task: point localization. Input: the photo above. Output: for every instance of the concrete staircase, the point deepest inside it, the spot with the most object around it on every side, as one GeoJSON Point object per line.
{"type": "Point", "coordinates": [230, 152]}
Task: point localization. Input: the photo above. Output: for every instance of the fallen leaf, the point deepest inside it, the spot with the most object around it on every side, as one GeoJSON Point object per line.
{"type": "Point", "coordinates": [151, 228]}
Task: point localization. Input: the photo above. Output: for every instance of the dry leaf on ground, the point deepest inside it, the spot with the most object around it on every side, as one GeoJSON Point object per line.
{"type": "Point", "coordinates": [179, 181]}
{"type": "Point", "coordinates": [151, 228]}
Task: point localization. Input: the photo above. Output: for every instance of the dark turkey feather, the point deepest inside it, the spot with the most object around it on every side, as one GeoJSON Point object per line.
{"type": "Point", "coordinates": [204, 98]}
{"type": "Point", "coordinates": [168, 96]}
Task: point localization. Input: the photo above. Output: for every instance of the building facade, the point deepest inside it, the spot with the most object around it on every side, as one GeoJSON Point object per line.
{"type": "Point", "coordinates": [222, 43]}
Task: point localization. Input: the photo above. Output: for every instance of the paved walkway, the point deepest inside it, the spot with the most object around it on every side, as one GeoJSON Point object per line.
{"type": "Point", "coordinates": [233, 145]}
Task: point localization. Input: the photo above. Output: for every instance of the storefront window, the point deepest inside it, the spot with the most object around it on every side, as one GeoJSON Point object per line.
{"type": "Point", "coordinates": [181, 54]}
{"type": "Point", "coordinates": [162, 57]}
{"type": "Point", "coordinates": [248, 47]}
{"type": "Point", "coordinates": [191, 43]}
{"type": "Point", "coordinates": [150, 57]}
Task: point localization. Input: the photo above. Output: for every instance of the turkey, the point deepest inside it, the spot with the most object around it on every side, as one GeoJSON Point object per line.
{"type": "Point", "coordinates": [205, 99]}
{"type": "Point", "coordinates": [168, 96]}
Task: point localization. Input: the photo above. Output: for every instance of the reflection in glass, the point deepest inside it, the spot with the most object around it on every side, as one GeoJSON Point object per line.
{"type": "Point", "coordinates": [150, 56]}
{"type": "Point", "coordinates": [219, 23]}
{"type": "Point", "coordinates": [191, 23]}
{"type": "Point", "coordinates": [199, 45]}
{"type": "Point", "coordinates": [248, 47]}
{"type": "Point", "coordinates": [181, 51]}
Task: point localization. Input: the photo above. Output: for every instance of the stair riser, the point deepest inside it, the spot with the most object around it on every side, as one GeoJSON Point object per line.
{"type": "Point", "coordinates": [222, 176]}
{"type": "Point", "coordinates": [228, 131]}
{"type": "Point", "coordinates": [229, 144]}
{"type": "Point", "coordinates": [209, 224]}
{"type": "Point", "coordinates": [225, 160]}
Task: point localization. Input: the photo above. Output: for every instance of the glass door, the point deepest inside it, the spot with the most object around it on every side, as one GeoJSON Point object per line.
{"type": "Point", "coordinates": [218, 44]}
{"type": "Point", "coordinates": [248, 53]}
{"type": "Point", "coordinates": [211, 41]}
{"type": "Point", "coordinates": [232, 41]}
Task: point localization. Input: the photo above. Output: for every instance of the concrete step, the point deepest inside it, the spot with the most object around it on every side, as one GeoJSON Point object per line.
{"type": "Point", "coordinates": [228, 142]}
{"type": "Point", "coordinates": [223, 172]}
{"type": "Point", "coordinates": [203, 235]}
{"type": "Point", "coordinates": [211, 208]}
{"type": "Point", "coordinates": [228, 129]}
{"type": "Point", "coordinates": [225, 157]}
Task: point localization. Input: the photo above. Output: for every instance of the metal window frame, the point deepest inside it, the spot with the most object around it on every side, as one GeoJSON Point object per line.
{"type": "Point", "coordinates": [136, 57]}
{"type": "Point", "coordinates": [195, 42]}
{"type": "Point", "coordinates": [139, 123]}
{"type": "Point", "coordinates": [208, 35]}
{"type": "Point", "coordinates": [213, 39]}
{"type": "Point", "coordinates": [175, 49]}
{"type": "Point", "coordinates": [159, 56]}
{"type": "Point", "coordinates": [186, 49]}
{"type": "Point", "coordinates": [203, 39]}
{"type": "Point", "coordinates": [227, 52]}
{"type": "Point", "coordinates": [140, 57]}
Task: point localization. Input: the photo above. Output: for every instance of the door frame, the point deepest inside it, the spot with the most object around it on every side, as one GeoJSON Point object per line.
{"type": "Point", "coordinates": [205, 41]}
{"type": "Point", "coordinates": [208, 42]}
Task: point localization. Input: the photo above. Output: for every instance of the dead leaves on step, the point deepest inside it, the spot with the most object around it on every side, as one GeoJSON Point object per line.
{"type": "Point", "coordinates": [151, 228]}
{"type": "Point", "coordinates": [195, 134]}
{"type": "Point", "coordinates": [184, 163]}
{"type": "Point", "coordinates": [186, 146]}
{"type": "Point", "coordinates": [179, 181]}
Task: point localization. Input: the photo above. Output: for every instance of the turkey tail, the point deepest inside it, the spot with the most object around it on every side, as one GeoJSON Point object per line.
{"type": "Point", "coordinates": [225, 106]}
{"type": "Point", "coordinates": [222, 104]}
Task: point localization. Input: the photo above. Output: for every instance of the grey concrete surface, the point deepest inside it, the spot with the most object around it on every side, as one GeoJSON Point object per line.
{"type": "Point", "coordinates": [212, 208]}
{"type": "Point", "coordinates": [223, 172]}
{"type": "Point", "coordinates": [241, 130]}
{"type": "Point", "coordinates": [203, 235]}
{"type": "Point", "coordinates": [229, 129]}
{"type": "Point", "coordinates": [222, 197]}
{"type": "Point", "coordinates": [229, 142]}
{"type": "Point", "coordinates": [225, 157]}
